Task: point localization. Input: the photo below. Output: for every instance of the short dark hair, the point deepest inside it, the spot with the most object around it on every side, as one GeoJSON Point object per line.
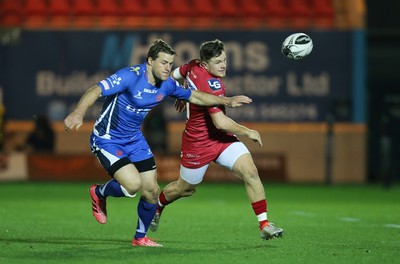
{"type": "Point", "coordinates": [158, 46]}
{"type": "Point", "coordinates": [211, 49]}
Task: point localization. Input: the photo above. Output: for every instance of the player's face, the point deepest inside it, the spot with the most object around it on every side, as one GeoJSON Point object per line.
{"type": "Point", "coordinates": [161, 67]}
{"type": "Point", "coordinates": [217, 65]}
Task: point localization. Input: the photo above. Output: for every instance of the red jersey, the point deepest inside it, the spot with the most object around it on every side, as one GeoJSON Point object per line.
{"type": "Point", "coordinates": [200, 131]}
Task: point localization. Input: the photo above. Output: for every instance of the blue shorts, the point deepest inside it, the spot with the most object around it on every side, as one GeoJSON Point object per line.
{"type": "Point", "coordinates": [114, 154]}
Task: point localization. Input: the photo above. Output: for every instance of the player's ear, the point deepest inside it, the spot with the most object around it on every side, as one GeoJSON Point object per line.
{"type": "Point", "coordinates": [204, 65]}
{"type": "Point", "coordinates": [150, 61]}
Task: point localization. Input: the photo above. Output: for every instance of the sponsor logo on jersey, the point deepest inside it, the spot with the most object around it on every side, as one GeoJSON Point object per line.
{"type": "Point", "coordinates": [191, 155]}
{"type": "Point", "coordinates": [160, 97]}
{"type": "Point", "coordinates": [135, 69]}
{"type": "Point", "coordinates": [119, 153]}
{"type": "Point", "coordinates": [130, 108]}
{"type": "Point", "coordinates": [138, 95]}
{"type": "Point", "coordinates": [105, 84]}
{"type": "Point", "coordinates": [214, 84]}
{"type": "Point", "coordinates": [150, 91]}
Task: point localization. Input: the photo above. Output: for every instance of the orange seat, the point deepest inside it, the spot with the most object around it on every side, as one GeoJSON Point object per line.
{"type": "Point", "coordinates": [276, 13]}
{"type": "Point", "coordinates": [300, 13]}
{"type": "Point", "coordinates": [108, 12]}
{"type": "Point", "coordinates": [10, 13]}
{"type": "Point", "coordinates": [228, 14]}
{"type": "Point", "coordinates": [180, 14]}
{"type": "Point", "coordinates": [83, 13]}
{"type": "Point", "coordinates": [59, 13]}
{"type": "Point", "coordinates": [156, 14]}
{"type": "Point", "coordinates": [204, 14]}
{"type": "Point", "coordinates": [132, 15]}
{"type": "Point", "coordinates": [35, 13]}
{"type": "Point", "coordinates": [252, 13]}
{"type": "Point", "coordinates": [323, 13]}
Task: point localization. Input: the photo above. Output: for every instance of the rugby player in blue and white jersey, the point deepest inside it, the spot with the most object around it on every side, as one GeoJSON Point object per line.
{"type": "Point", "coordinates": [117, 140]}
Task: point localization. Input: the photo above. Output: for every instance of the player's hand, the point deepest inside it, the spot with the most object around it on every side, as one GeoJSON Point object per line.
{"type": "Point", "coordinates": [239, 100]}
{"type": "Point", "coordinates": [73, 120]}
{"type": "Point", "coordinates": [180, 106]}
{"type": "Point", "coordinates": [255, 136]}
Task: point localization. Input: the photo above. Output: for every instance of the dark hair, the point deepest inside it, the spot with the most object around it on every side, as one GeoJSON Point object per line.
{"type": "Point", "coordinates": [211, 49]}
{"type": "Point", "coordinates": [158, 46]}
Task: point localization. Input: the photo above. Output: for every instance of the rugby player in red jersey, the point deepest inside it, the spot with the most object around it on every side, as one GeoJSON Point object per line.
{"type": "Point", "coordinates": [210, 136]}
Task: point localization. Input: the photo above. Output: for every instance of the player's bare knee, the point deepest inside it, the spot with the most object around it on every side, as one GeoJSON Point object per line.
{"type": "Point", "coordinates": [250, 173]}
{"type": "Point", "coordinates": [131, 188]}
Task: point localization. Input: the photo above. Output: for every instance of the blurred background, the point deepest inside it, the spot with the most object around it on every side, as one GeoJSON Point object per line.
{"type": "Point", "coordinates": [331, 118]}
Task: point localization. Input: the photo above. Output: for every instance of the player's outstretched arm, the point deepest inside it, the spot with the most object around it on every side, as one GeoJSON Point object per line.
{"type": "Point", "coordinates": [75, 119]}
{"type": "Point", "coordinates": [222, 122]}
{"type": "Point", "coordinates": [206, 99]}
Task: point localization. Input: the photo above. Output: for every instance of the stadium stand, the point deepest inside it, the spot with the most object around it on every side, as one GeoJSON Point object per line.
{"type": "Point", "coordinates": [108, 13]}
{"type": "Point", "coordinates": [276, 13]}
{"type": "Point", "coordinates": [180, 13]}
{"type": "Point", "coordinates": [10, 13]}
{"type": "Point", "coordinates": [35, 13]}
{"type": "Point", "coordinates": [84, 14]}
{"type": "Point", "coordinates": [252, 14]}
{"type": "Point", "coordinates": [204, 11]}
{"type": "Point", "coordinates": [157, 13]}
{"type": "Point", "coordinates": [59, 13]}
{"type": "Point", "coordinates": [299, 13]}
{"type": "Point", "coordinates": [323, 13]}
{"type": "Point", "coordinates": [228, 14]}
{"type": "Point", "coordinates": [131, 13]}
{"type": "Point", "coordinates": [183, 14]}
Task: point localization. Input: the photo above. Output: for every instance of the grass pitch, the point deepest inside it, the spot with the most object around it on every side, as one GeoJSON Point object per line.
{"type": "Point", "coordinates": [52, 223]}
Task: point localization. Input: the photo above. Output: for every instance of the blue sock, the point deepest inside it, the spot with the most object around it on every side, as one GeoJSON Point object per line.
{"type": "Point", "coordinates": [110, 188]}
{"type": "Point", "coordinates": [146, 213]}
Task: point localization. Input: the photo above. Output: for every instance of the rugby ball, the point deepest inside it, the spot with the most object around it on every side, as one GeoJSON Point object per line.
{"type": "Point", "coordinates": [297, 46]}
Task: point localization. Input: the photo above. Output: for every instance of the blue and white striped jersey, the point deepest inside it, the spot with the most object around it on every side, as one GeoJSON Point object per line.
{"type": "Point", "coordinates": [129, 98]}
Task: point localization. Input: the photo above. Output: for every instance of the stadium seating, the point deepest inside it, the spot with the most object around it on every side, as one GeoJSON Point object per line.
{"type": "Point", "coordinates": [108, 13]}
{"type": "Point", "coordinates": [180, 14]}
{"type": "Point", "coordinates": [84, 14]}
{"type": "Point", "coordinates": [228, 13]}
{"type": "Point", "coordinates": [10, 13]}
{"type": "Point", "coordinates": [59, 13]}
{"type": "Point", "coordinates": [276, 13]}
{"type": "Point", "coordinates": [323, 13]}
{"type": "Point", "coordinates": [131, 13]}
{"type": "Point", "coordinates": [35, 13]}
{"type": "Point", "coordinates": [204, 14]}
{"type": "Point", "coordinates": [176, 14]}
{"type": "Point", "coordinates": [300, 13]}
{"type": "Point", "coordinates": [252, 13]}
{"type": "Point", "coordinates": [156, 13]}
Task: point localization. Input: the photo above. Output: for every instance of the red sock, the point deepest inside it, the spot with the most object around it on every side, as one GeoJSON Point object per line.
{"type": "Point", "coordinates": [260, 209]}
{"type": "Point", "coordinates": [162, 201]}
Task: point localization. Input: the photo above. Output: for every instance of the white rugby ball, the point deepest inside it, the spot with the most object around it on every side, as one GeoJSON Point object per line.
{"type": "Point", "coordinates": [297, 46]}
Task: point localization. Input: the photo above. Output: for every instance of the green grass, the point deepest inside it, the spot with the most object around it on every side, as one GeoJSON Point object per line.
{"type": "Point", "coordinates": [52, 223]}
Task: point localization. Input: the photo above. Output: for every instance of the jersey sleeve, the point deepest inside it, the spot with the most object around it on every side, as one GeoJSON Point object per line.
{"type": "Point", "coordinates": [179, 92]}
{"type": "Point", "coordinates": [117, 82]}
{"type": "Point", "coordinates": [185, 68]}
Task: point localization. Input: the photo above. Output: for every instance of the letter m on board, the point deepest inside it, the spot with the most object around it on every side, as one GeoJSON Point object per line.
{"type": "Point", "coordinates": [116, 51]}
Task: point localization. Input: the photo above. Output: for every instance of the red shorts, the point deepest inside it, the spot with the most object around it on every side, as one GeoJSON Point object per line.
{"type": "Point", "coordinates": [195, 154]}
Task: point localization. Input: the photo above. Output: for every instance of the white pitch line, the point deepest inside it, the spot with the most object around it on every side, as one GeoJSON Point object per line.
{"type": "Point", "coordinates": [303, 213]}
{"type": "Point", "coordinates": [392, 225]}
{"type": "Point", "coordinates": [349, 219]}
